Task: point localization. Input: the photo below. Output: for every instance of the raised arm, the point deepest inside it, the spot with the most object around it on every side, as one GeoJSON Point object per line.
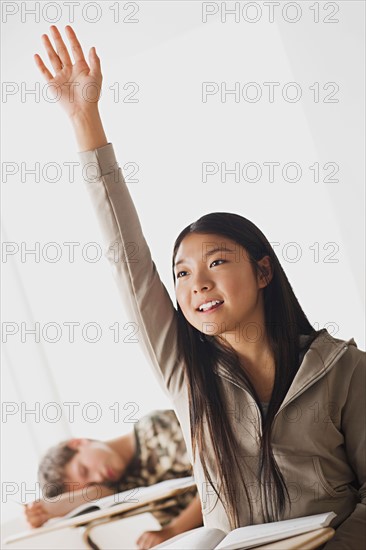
{"type": "Point", "coordinates": [144, 295]}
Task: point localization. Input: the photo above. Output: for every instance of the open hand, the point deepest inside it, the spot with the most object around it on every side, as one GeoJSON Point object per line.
{"type": "Point", "coordinates": [76, 85]}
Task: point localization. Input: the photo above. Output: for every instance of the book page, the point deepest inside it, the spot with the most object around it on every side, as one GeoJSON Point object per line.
{"type": "Point", "coordinates": [255, 535]}
{"type": "Point", "coordinates": [201, 538]}
{"type": "Point", "coordinates": [130, 495]}
{"type": "Point", "coordinates": [57, 540]}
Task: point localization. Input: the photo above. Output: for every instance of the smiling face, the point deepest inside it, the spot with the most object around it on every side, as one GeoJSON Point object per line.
{"type": "Point", "coordinates": [95, 462]}
{"type": "Point", "coordinates": [212, 267]}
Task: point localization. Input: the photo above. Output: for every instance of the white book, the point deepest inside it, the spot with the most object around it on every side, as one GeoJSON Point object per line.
{"type": "Point", "coordinates": [120, 534]}
{"type": "Point", "coordinates": [131, 496]}
{"type": "Point", "coordinates": [246, 537]}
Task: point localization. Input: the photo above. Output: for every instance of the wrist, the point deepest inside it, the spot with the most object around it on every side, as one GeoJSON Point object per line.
{"type": "Point", "coordinates": [89, 129]}
{"type": "Point", "coordinates": [52, 509]}
{"type": "Point", "coordinates": [86, 116]}
{"type": "Point", "coordinates": [174, 528]}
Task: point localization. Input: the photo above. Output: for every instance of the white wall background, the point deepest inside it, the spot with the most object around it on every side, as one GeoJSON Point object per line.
{"type": "Point", "coordinates": [169, 52]}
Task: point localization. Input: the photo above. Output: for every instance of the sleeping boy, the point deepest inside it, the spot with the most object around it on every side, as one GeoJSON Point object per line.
{"type": "Point", "coordinates": [154, 451]}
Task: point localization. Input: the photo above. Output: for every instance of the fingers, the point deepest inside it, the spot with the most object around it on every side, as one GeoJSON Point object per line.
{"type": "Point", "coordinates": [142, 541]}
{"type": "Point", "coordinates": [62, 52]}
{"type": "Point", "coordinates": [77, 51]}
{"type": "Point", "coordinates": [148, 539]}
{"type": "Point", "coordinates": [35, 514]}
{"type": "Point", "coordinates": [94, 62]}
{"type": "Point", "coordinates": [61, 58]}
{"type": "Point", "coordinates": [54, 58]}
{"type": "Point", "coordinates": [42, 67]}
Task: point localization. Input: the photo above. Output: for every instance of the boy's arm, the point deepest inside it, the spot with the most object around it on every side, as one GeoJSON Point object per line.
{"type": "Point", "coordinates": [190, 518]}
{"type": "Point", "coordinates": [39, 511]}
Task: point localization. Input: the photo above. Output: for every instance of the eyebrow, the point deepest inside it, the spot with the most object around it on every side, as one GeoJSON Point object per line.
{"type": "Point", "coordinates": [210, 253]}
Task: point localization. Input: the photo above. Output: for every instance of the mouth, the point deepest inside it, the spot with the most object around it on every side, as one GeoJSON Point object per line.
{"type": "Point", "coordinates": [211, 308]}
{"type": "Point", "coordinates": [111, 474]}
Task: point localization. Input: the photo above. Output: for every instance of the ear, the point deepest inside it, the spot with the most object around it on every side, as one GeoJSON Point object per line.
{"type": "Point", "coordinates": [76, 443]}
{"type": "Point", "coordinates": [265, 278]}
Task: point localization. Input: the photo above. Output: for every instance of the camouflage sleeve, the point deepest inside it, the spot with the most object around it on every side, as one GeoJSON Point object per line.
{"type": "Point", "coordinates": [163, 455]}
{"type": "Point", "coordinates": [163, 450]}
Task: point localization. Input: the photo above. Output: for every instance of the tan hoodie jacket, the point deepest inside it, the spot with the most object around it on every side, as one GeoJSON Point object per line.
{"type": "Point", "coordinates": [318, 436]}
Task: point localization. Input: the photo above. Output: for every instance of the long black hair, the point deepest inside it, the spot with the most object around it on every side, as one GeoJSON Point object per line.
{"type": "Point", "coordinates": [285, 321]}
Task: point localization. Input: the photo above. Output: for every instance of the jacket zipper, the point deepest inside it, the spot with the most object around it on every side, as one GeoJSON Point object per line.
{"type": "Point", "coordinates": [336, 358]}
{"type": "Point", "coordinates": [232, 381]}
{"type": "Point", "coordinates": [308, 385]}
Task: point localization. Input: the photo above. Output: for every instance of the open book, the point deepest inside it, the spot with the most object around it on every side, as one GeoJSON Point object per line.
{"type": "Point", "coordinates": [246, 537]}
{"type": "Point", "coordinates": [118, 504]}
{"type": "Point", "coordinates": [129, 496]}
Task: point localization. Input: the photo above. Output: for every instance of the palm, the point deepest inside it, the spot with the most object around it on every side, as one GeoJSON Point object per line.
{"type": "Point", "coordinates": [76, 85]}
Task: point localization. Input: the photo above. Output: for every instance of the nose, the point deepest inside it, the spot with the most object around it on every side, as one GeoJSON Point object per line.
{"type": "Point", "coordinates": [98, 478]}
{"type": "Point", "coordinates": [199, 289]}
{"type": "Point", "coordinates": [201, 283]}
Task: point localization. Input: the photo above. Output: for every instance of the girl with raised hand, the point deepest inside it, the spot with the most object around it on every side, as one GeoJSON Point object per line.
{"type": "Point", "coordinates": [271, 409]}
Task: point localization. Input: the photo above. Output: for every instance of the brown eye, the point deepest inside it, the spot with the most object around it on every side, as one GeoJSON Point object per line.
{"type": "Point", "coordinates": [218, 261]}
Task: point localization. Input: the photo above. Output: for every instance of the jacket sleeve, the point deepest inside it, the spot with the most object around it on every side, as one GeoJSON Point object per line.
{"type": "Point", "coordinates": [144, 296]}
{"type": "Point", "coordinates": [351, 533]}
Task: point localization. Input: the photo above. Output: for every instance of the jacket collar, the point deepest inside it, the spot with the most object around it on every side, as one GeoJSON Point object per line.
{"type": "Point", "coordinates": [320, 357]}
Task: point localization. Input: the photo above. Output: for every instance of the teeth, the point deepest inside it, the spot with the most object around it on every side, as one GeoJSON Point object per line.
{"type": "Point", "coordinates": [208, 305]}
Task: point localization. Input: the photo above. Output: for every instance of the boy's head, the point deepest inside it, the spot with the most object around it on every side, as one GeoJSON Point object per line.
{"type": "Point", "coordinates": [76, 463]}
